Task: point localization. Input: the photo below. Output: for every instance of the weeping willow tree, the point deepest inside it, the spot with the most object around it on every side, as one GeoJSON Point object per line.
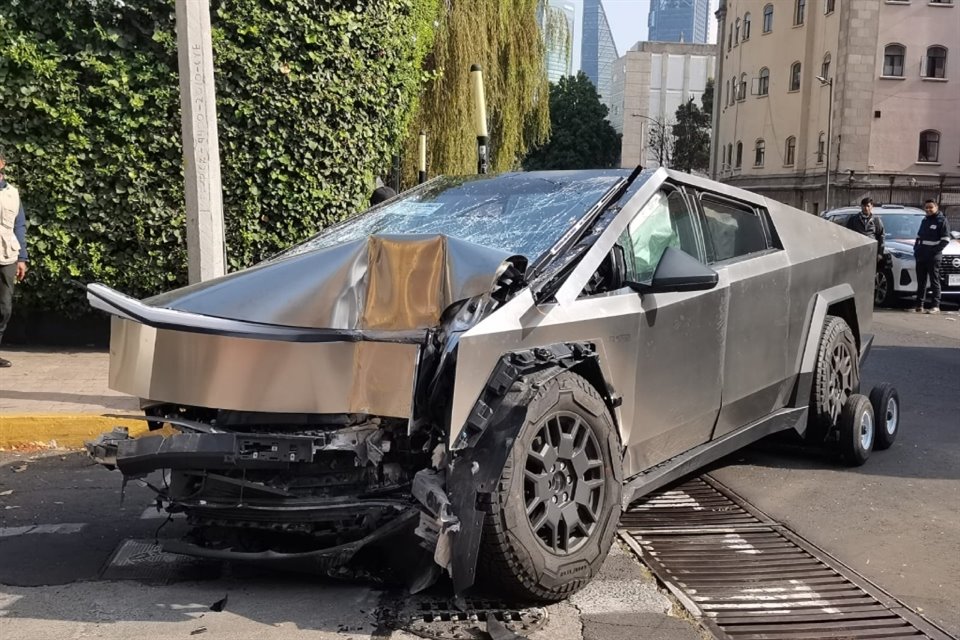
{"type": "Point", "coordinates": [504, 37]}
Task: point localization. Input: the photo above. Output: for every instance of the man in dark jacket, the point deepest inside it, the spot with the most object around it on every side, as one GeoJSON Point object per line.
{"type": "Point", "coordinates": [868, 224]}
{"type": "Point", "coordinates": [932, 237]}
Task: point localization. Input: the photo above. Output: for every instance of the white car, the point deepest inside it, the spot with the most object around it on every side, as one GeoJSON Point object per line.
{"type": "Point", "coordinates": [898, 278]}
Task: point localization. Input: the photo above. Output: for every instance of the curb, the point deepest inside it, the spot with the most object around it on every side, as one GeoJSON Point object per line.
{"type": "Point", "coordinates": [60, 431]}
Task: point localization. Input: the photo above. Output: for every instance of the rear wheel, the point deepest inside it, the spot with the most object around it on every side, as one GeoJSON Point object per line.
{"type": "Point", "coordinates": [836, 376]}
{"type": "Point", "coordinates": [886, 409]}
{"type": "Point", "coordinates": [857, 429]}
{"type": "Point", "coordinates": [553, 518]}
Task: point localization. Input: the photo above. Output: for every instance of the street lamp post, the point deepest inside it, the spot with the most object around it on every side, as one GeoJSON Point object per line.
{"type": "Point", "coordinates": [829, 84]}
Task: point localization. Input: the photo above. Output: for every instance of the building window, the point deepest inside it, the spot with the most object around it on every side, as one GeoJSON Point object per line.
{"type": "Point", "coordinates": [828, 7]}
{"type": "Point", "coordinates": [795, 76]}
{"type": "Point", "coordinates": [759, 151]}
{"type": "Point", "coordinates": [893, 60]}
{"type": "Point", "coordinates": [729, 154]}
{"type": "Point", "coordinates": [743, 86]}
{"type": "Point", "coordinates": [825, 67]}
{"type": "Point", "coordinates": [746, 26]}
{"type": "Point", "coordinates": [941, 1]}
{"type": "Point", "coordinates": [790, 152]}
{"type": "Point", "coordinates": [763, 82]}
{"type": "Point", "coordinates": [821, 147]}
{"type": "Point", "coordinates": [801, 7]}
{"type": "Point", "coordinates": [736, 32]}
{"type": "Point", "coordinates": [768, 18]}
{"type": "Point", "coordinates": [929, 146]}
{"type": "Point", "coordinates": [739, 154]}
{"type": "Point", "coordinates": [936, 63]}
{"type": "Point", "coordinates": [730, 40]}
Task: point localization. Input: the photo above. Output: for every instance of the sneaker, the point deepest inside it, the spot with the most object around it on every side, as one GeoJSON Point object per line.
{"type": "Point", "coordinates": [4, 363]}
{"type": "Point", "coordinates": [933, 310]}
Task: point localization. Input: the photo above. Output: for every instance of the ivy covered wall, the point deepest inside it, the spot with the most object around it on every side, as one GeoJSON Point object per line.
{"type": "Point", "coordinates": [313, 99]}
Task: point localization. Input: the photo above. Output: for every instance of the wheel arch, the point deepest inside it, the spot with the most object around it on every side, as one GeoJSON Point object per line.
{"type": "Point", "coordinates": [837, 301]}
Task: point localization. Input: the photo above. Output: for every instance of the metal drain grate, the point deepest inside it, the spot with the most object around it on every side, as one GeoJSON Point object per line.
{"type": "Point", "coordinates": [144, 561]}
{"type": "Point", "coordinates": [441, 620]}
{"type": "Point", "coordinates": [746, 576]}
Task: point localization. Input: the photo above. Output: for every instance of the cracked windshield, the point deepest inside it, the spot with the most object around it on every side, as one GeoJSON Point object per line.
{"type": "Point", "coordinates": [518, 213]}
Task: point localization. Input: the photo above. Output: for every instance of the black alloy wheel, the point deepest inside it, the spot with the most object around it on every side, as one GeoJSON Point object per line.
{"type": "Point", "coordinates": [550, 522]}
{"type": "Point", "coordinates": [563, 483]}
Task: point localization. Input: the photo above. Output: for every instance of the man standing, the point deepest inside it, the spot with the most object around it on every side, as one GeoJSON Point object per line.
{"type": "Point", "coordinates": [869, 225]}
{"type": "Point", "coordinates": [933, 236]}
{"type": "Point", "coordinates": [13, 247]}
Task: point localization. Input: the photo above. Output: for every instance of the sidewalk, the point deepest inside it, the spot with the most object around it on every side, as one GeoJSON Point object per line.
{"type": "Point", "coordinates": [52, 398]}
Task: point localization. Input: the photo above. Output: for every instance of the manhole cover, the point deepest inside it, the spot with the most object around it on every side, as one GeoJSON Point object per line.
{"type": "Point", "coordinates": [441, 620]}
{"type": "Point", "coordinates": [145, 561]}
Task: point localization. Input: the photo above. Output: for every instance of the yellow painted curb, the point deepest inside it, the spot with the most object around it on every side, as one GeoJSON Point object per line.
{"type": "Point", "coordinates": [62, 431]}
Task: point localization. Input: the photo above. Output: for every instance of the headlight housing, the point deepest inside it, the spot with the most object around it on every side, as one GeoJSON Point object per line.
{"type": "Point", "coordinates": [901, 255]}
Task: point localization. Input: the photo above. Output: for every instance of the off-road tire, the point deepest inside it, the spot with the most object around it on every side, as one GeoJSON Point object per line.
{"type": "Point", "coordinates": [886, 409]}
{"type": "Point", "coordinates": [513, 562]}
{"type": "Point", "coordinates": [884, 293]}
{"type": "Point", "coordinates": [836, 377]}
{"type": "Point", "coordinates": [856, 423]}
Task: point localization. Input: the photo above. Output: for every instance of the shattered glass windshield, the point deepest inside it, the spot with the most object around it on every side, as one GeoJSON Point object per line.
{"type": "Point", "coordinates": [521, 213]}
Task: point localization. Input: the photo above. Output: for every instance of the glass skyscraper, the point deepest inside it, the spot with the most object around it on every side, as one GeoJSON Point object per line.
{"type": "Point", "coordinates": [598, 53]}
{"type": "Point", "coordinates": [557, 19]}
{"type": "Point", "coordinates": [678, 21]}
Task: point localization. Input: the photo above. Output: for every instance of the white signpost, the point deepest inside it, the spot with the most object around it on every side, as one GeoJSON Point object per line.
{"type": "Point", "coordinates": [201, 155]}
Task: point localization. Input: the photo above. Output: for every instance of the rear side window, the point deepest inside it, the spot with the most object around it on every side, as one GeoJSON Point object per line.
{"type": "Point", "coordinates": [733, 230]}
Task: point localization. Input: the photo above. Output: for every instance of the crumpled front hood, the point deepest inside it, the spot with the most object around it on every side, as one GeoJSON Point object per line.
{"type": "Point", "coordinates": [379, 283]}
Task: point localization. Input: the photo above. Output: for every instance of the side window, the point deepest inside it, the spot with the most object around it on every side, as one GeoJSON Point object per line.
{"type": "Point", "coordinates": [732, 230]}
{"type": "Point", "coordinates": [665, 221]}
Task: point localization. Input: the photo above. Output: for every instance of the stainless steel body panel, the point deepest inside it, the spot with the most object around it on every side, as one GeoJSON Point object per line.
{"type": "Point", "coordinates": [379, 282]}
{"type": "Point", "coordinates": [244, 374]}
{"type": "Point", "coordinates": [754, 331]}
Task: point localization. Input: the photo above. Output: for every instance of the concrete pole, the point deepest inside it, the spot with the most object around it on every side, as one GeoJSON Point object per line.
{"type": "Point", "coordinates": [201, 154]}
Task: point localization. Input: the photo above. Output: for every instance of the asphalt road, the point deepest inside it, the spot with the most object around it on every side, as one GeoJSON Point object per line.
{"type": "Point", "coordinates": [75, 562]}
{"type": "Point", "coordinates": [896, 520]}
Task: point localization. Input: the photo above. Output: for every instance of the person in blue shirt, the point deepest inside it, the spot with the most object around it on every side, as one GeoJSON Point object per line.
{"type": "Point", "coordinates": [13, 248]}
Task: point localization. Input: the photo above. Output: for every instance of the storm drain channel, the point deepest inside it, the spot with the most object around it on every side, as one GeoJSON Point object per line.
{"type": "Point", "coordinates": [747, 576]}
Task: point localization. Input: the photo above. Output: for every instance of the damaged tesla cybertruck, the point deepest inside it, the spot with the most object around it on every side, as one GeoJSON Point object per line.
{"type": "Point", "coordinates": [493, 367]}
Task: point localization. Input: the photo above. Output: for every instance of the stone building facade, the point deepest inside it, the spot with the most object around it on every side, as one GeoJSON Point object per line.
{"type": "Point", "coordinates": [649, 82]}
{"type": "Point", "coordinates": [892, 68]}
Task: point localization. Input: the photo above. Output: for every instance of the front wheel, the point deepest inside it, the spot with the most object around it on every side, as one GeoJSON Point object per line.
{"type": "Point", "coordinates": [836, 377]}
{"type": "Point", "coordinates": [552, 520]}
{"type": "Point", "coordinates": [883, 291]}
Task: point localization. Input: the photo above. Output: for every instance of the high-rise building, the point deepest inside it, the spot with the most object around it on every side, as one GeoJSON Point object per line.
{"type": "Point", "coordinates": [598, 52]}
{"type": "Point", "coordinates": [557, 20]}
{"type": "Point", "coordinates": [678, 21]}
{"type": "Point", "coordinates": [892, 132]}
{"type": "Point", "coordinates": [649, 83]}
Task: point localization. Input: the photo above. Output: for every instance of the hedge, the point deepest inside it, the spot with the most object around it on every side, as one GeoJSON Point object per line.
{"type": "Point", "coordinates": [313, 99]}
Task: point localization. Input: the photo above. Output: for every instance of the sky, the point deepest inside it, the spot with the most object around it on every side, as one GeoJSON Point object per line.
{"type": "Point", "coordinates": [628, 21]}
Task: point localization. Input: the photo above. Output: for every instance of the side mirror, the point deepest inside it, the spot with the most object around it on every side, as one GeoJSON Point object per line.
{"type": "Point", "coordinates": [955, 235]}
{"type": "Point", "coordinates": [678, 271]}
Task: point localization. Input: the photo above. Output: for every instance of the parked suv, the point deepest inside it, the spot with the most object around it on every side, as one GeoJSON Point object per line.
{"type": "Point", "coordinates": [898, 277]}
